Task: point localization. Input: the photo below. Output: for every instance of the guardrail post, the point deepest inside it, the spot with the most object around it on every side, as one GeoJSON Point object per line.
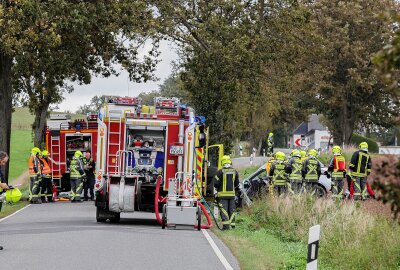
{"type": "Point", "coordinates": [313, 242]}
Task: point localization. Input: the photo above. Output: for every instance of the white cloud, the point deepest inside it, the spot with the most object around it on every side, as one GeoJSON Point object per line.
{"type": "Point", "coordinates": [120, 85]}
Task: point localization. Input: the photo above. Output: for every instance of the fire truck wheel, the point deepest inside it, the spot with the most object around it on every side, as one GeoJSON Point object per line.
{"type": "Point", "coordinates": [198, 218]}
{"type": "Point", "coordinates": [164, 217]}
{"type": "Point", "coordinates": [116, 218]}
{"type": "Point", "coordinates": [98, 215]}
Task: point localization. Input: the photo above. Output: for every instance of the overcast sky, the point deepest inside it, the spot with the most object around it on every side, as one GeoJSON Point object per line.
{"type": "Point", "coordinates": [120, 85]}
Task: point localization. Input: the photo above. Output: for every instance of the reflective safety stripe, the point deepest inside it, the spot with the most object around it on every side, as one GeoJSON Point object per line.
{"type": "Point", "coordinates": [296, 172]}
{"type": "Point", "coordinates": [312, 170]}
{"type": "Point", "coordinates": [225, 192]}
{"type": "Point", "coordinates": [280, 176]}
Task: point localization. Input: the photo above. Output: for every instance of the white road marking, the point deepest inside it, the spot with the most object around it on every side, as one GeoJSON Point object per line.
{"type": "Point", "coordinates": [217, 251]}
{"type": "Point", "coordinates": [16, 212]}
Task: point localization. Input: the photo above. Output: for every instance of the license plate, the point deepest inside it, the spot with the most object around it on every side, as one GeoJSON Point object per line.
{"type": "Point", "coordinates": [176, 150]}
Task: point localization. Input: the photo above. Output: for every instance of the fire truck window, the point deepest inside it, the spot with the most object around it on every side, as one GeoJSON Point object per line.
{"type": "Point", "coordinates": [213, 155]}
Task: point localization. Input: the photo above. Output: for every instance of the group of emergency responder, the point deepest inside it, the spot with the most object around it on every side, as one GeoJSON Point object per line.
{"type": "Point", "coordinates": [81, 177]}
{"type": "Point", "coordinates": [301, 172]}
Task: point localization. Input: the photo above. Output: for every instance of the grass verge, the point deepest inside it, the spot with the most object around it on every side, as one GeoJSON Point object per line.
{"type": "Point", "coordinates": [273, 234]}
{"type": "Point", "coordinates": [8, 209]}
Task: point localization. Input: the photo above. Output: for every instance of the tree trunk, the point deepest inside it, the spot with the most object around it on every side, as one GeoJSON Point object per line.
{"type": "Point", "coordinates": [40, 123]}
{"type": "Point", "coordinates": [5, 105]}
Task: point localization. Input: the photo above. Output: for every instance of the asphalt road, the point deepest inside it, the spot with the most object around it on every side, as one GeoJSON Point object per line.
{"type": "Point", "coordinates": [66, 236]}
{"type": "Point", "coordinates": [243, 162]}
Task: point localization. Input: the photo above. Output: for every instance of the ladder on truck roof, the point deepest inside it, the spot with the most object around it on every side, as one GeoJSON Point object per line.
{"type": "Point", "coordinates": [114, 140]}
{"type": "Point", "coordinates": [55, 154]}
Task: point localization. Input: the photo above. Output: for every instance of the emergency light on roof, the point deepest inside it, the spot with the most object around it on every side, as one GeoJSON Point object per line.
{"type": "Point", "coordinates": [125, 101]}
{"type": "Point", "coordinates": [171, 103]}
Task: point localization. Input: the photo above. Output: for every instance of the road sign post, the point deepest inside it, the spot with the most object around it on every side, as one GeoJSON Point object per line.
{"type": "Point", "coordinates": [313, 242]}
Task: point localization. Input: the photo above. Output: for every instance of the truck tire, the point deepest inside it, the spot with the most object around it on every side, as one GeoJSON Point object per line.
{"type": "Point", "coordinates": [198, 218]}
{"type": "Point", "coordinates": [116, 218]}
{"type": "Point", "coordinates": [99, 212]}
{"type": "Point", "coordinates": [164, 217]}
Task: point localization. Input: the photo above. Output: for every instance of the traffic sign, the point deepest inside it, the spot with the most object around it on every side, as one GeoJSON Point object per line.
{"type": "Point", "coordinates": [297, 142]}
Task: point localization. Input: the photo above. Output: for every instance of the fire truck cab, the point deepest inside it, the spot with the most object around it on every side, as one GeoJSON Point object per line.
{"type": "Point", "coordinates": [63, 138]}
{"type": "Point", "coordinates": [148, 157]}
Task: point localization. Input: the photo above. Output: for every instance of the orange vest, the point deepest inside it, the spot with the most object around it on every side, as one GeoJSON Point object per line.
{"type": "Point", "coordinates": [46, 168]}
{"type": "Point", "coordinates": [33, 162]}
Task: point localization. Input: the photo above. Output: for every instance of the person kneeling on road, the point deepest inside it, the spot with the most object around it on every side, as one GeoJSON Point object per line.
{"type": "Point", "coordinates": [77, 176]}
{"type": "Point", "coordinates": [226, 182]}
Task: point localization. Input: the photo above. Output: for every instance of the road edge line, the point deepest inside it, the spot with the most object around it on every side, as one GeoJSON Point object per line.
{"type": "Point", "coordinates": [217, 251]}
{"type": "Point", "coordinates": [16, 212]}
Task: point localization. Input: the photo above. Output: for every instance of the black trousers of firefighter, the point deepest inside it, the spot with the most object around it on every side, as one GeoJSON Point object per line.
{"type": "Point", "coordinates": [34, 188]}
{"type": "Point", "coordinates": [88, 186]}
{"type": "Point", "coordinates": [227, 209]}
{"type": "Point", "coordinates": [76, 189]}
{"type": "Point", "coordinates": [46, 189]}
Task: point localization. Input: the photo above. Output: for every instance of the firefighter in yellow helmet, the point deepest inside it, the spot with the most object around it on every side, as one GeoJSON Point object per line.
{"type": "Point", "coordinates": [337, 168]}
{"type": "Point", "coordinates": [226, 183]}
{"type": "Point", "coordinates": [35, 175]}
{"type": "Point", "coordinates": [360, 168]}
{"type": "Point", "coordinates": [77, 176]}
{"type": "Point", "coordinates": [311, 171]}
{"type": "Point", "coordinates": [294, 170]}
{"type": "Point", "coordinates": [46, 193]}
{"type": "Point", "coordinates": [270, 144]}
{"type": "Point", "coordinates": [278, 174]}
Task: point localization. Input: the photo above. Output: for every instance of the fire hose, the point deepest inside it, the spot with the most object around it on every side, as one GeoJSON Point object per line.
{"type": "Point", "coordinates": [158, 198]}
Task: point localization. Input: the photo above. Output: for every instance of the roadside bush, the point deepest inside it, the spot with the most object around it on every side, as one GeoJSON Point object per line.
{"type": "Point", "coordinates": [356, 139]}
{"type": "Point", "coordinates": [386, 175]}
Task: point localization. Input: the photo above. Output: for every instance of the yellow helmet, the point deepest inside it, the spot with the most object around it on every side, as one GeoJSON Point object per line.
{"type": "Point", "coordinates": [363, 146]}
{"type": "Point", "coordinates": [280, 156]}
{"type": "Point", "coordinates": [295, 153]}
{"type": "Point", "coordinates": [313, 152]}
{"type": "Point", "coordinates": [35, 151]}
{"type": "Point", "coordinates": [271, 134]}
{"type": "Point", "coordinates": [226, 160]}
{"type": "Point", "coordinates": [336, 150]}
{"type": "Point", "coordinates": [13, 195]}
{"type": "Point", "coordinates": [78, 154]}
{"type": "Point", "coordinates": [303, 153]}
{"type": "Point", "coordinates": [45, 153]}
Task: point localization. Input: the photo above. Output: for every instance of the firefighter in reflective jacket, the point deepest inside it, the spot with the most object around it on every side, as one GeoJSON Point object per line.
{"type": "Point", "coordinates": [311, 171]}
{"type": "Point", "coordinates": [46, 185]}
{"type": "Point", "coordinates": [360, 168]}
{"type": "Point", "coordinates": [293, 169]}
{"type": "Point", "coordinates": [34, 175]}
{"type": "Point", "coordinates": [337, 168]}
{"type": "Point", "coordinates": [270, 144]}
{"type": "Point", "coordinates": [77, 176]}
{"type": "Point", "coordinates": [226, 183]}
{"type": "Point", "coordinates": [278, 174]}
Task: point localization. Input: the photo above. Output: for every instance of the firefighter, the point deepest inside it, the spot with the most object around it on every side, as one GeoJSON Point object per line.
{"type": "Point", "coordinates": [270, 144]}
{"type": "Point", "coordinates": [35, 176]}
{"type": "Point", "coordinates": [77, 176]}
{"type": "Point", "coordinates": [278, 174]}
{"type": "Point", "coordinates": [360, 168]}
{"type": "Point", "coordinates": [88, 185]}
{"type": "Point", "coordinates": [293, 169]}
{"type": "Point", "coordinates": [46, 185]}
{"type": "Point", "coordinates": [303, 155]}
{"type": "Point", "coordinates": [311, 171]}
{"type": "Point", "coordinates": [3, 184]}
{"type": "Point", "coordinates": [337, 168]}
{"type": "Point", "coordinates": [227, 185]}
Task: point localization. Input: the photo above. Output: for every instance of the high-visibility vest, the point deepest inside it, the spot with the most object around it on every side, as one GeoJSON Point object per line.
{"type": "Point", "coordinates": [297, 166]}
{"type": "Point", "coordinates": [33, 163]}
{"type": "Point", "coordinates": [45, 168]}
{"type": "Point", "coordinates": [361, 168]}
{"type": "Point", "coordinates": [279, 177]}
{"type": "Point", "coordinates": [227, 183]}
{"type": "Point", "coordinates": [339, 166]}
{"type": "Point", "coordinates": [75, 167]}
{"type": "Point", "coordinates": [311, 169]}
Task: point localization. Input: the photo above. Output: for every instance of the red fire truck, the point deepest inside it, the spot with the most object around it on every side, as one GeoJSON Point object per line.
{"type": "Point", "coordinates": [63, 138]}
{"type": "Point", "coordinates": [151, 158]}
